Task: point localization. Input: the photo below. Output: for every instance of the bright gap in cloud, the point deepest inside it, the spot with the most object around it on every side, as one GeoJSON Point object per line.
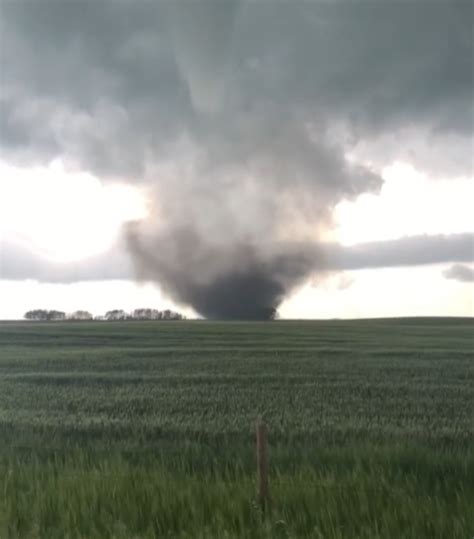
{"type": "Point", "coordinates": [410, 203]}
{"type": "Point", "coordinates": [414, 291]}
{"type": "Point", "coordinates": [66, 215]}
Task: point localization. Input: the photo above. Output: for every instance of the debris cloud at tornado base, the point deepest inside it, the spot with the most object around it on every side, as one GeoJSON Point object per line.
{"type": "Point", "coordinates": [233, 281]}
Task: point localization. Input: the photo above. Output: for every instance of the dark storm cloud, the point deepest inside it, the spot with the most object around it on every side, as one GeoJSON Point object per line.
{"type": "Point", "coordinates": [109, 84]}
{"type": "Point", "coordinates": [236, 114]}
{"type": "Point", "coordinates": [460, 272]}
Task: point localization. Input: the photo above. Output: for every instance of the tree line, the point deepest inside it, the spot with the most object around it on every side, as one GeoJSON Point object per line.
{"type": "Point", "coordinates": [45, 315]}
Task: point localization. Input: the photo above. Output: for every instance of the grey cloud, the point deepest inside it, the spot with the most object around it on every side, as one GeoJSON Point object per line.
{"type": "Point", "coordinates": [21, 261]}
{"type": "Point", "coordinates": [460, 272]}
{"type": "Point", "coordinates": [407, 251]}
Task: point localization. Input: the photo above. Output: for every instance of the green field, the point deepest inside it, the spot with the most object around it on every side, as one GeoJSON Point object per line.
{"type": "Point", "coordinates": [146, 429]}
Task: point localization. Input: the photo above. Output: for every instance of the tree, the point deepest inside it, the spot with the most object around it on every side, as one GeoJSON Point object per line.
{"type": "Point", "coordinates": [116, 314]}
{"type": "Point", "coordinates": [146, 314]}
{"type": "Point", "coordinates": [154, 314]}
{"type": "Point", "coordinates": [36, 314]}
{"type": "Point", "coordinates": [273, 314]}
{"type": "Point", "coordinates": [45, 315]}
{"type": "Point", "coordinates": [171, 315]}
{"type": "Point", "coordinates": [56, 315]}
{"type": "Point", "coordinates": [81, 315]}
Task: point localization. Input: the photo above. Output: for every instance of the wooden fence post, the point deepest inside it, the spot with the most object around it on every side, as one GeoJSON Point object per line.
{"type": "Point", "coordinates": [263, 489]}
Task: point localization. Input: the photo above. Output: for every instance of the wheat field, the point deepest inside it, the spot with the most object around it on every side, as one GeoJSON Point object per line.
{"type": "Point", "coordinates": [146, 429]}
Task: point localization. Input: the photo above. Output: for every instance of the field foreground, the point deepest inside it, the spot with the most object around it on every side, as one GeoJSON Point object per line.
{"type": "Point", "coordinates": [143, 430]}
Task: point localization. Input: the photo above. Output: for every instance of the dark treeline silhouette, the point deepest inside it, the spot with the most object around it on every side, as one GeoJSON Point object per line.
{"type": "Point", "coordinates": [142, 314]}
{"type": "Point", "coordinates": [45, 315]}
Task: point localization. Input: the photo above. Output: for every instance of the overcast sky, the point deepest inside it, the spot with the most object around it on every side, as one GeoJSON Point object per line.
{"type": "Point", "coordinates": [224, 157]}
